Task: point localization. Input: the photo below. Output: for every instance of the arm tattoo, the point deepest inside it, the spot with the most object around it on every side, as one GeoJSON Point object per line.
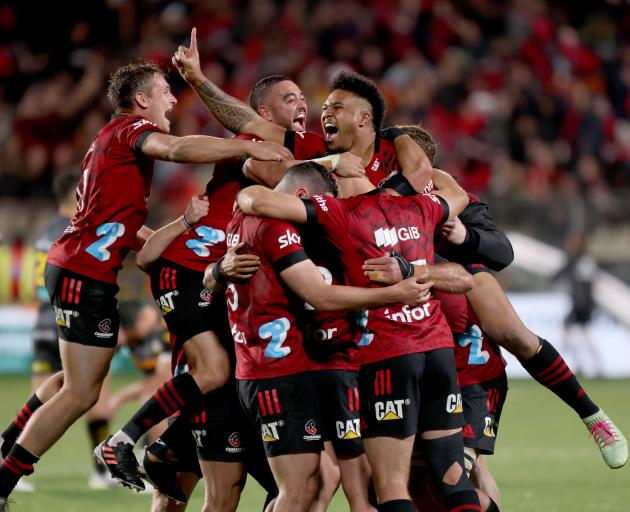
{"type": "Point", "coordinates": [230, 112]}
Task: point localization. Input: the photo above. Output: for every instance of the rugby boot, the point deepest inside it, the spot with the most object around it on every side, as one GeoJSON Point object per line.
{"type": "Point", "coordinates": [609, 439]}
{"type": "Point", "coordinates": [162, 475]}
{"type": "Point", "coordinates": [121, 463]}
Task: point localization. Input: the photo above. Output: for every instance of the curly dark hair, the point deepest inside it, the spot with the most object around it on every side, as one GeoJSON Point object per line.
{"type": "Point", "coordinates": [364, 88]}
{"type": "Point", "coordinates": [127, 80]}
{"type": "Point", "coordinates": [261, 88]}
{"type": "Point", "coordinates": [315, 175]}
{"type": "Point", "coordinates": [423, 138]}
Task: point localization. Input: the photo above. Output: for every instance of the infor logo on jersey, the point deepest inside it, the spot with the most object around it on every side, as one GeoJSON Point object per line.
{"type": "Point", "coordinates": [289, 239]}
{"type": "Point", "coordinates": [387, 237]}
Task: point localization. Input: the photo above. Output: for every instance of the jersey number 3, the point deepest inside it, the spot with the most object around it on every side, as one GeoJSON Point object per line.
{"type": "Point", "coordinates": [109, 233]}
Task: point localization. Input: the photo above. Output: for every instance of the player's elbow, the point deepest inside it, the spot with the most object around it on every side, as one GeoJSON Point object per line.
{"type": "Point", "coordinates": [466, 283]}
{"type": "Point", "coordinates": [143, 261]}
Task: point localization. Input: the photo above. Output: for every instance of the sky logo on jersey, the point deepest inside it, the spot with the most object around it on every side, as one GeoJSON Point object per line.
{"type": "Point", "coordinates": [408, 314]}
{"type": "Point", "coordinates": [269, 431]}
{"type": "Point", "coordinates": [390, 410]}
{"type": "Point", "coordinates": [321, 202]}
{"type": "Point", "coordinates": [349, 429]}
{"type": "Point", "coordinates": [388, 237]}
{"type": "Point", "coordinates": [289, 239]}
{"type": "Point", "coordinates": [63, 316]}
{"type": "Point", "coordinates": [454, 403]}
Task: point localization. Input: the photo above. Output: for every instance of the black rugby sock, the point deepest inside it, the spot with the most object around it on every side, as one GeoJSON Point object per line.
{"type": "Point", "coordinates": [98, 430]}
{"type": "Point", "coordinates": [396, 506]}
{"type": "Point", "coordinates": [462, 501]}
{"type": "Point", "coordinates": [169, 398]}
{"type": "Point", "coordinates": [17, 463]}
{"type": "Point", "coordinates": [550, 369]}
{"type": "Point", "coordinates": [493, 507]}
{"type": "Point", "coordinates": [12, 432]}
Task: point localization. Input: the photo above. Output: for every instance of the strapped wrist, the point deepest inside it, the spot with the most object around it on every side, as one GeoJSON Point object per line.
{"type": "Point", "coordinates": [218, 274]}
{"type": "Point", "coordinates": [187, 224]}
{"type": "Point", "coordinates": [406, 268]}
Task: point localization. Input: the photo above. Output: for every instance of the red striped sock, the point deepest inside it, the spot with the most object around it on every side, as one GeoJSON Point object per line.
{"type": "Point", "coordinates": [12, 432]}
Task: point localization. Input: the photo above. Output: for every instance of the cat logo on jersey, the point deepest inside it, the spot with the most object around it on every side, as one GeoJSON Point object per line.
{"type": "Point", "coordinates": [390, 410]}
{"type": "Point", "coordinates": [349, 429]}
{"type": "Point", "coordinates": [490, 428]}
{"type": "Point", "coordinates": [165, 302]}
{"type": "Point", "coordinates": [454, 403]}
{"type": "Point", "coordinates": [63, 316]}
{"type": "Point", "coordinates": [269, 431]}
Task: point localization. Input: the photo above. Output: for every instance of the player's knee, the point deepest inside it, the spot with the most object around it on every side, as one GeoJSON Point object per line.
{"type": "Point", "coordinates": [446, 459]}
{"type": "Point", "coordinates": [211, 377]}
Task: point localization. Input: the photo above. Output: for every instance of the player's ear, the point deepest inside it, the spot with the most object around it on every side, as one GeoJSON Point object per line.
{"type": "Point", "coordinates": [365, 118]}
{"type": "Point", "coordinates": [141, 99]}
{"type": "Point", "coordinates": [302, 192]}
{"type": "Point", "coordinates": [264, 113]}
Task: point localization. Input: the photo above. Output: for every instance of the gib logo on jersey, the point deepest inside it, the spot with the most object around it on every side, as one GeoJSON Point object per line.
{"type": "Point", "coordinates": [63, 316]}
{"type": "Point", "coordinates": [288, 239]}
{"type": "Point", "coordinates": [165, 302]}
{"type": "Point", "coordinates": [234, 442]}
{"type": "Point", "coordinates": [390, 410]}
{"type": "Point", "coordinates": [454, 403]}
{"type": "Point", "coordinates": [269, 431]}
{"type": "Point", "coordinates": [349, 429]}
{"type": "Point", "coordinates": [388, 237]}
{"type": "Point", "coordinates": [311, 429]}
{"type": "Point", "coordinates": [408, 314]}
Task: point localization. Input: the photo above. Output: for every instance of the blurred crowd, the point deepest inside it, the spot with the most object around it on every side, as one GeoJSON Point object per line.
{"type": "Point", "coordinates": [529, 100]}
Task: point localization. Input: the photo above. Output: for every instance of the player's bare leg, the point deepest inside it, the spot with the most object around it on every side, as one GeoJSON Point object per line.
{"type": "Point", "coordinates": [209, 369]}
{"type": "Point", "coordinates": [97, 422]}
{"type": "Point", "coordinates": [297, 476]}
{"type": "Point", "coordinates": [356, 477]}
{"type": "Point", "coordinates": [543, 362]}
{"type": "Point", "coordinates": [223, 483]}
{"type": "Point", "coordinates": [186, 481]}
{"type": "Point", "coordinates": [389, 458]}
{"type": "Point", "coordinates": [482, 479]}
{"type": "Point", "coordinates": [85, 368]}
{"type": "Point", "coordinates": [329, 478]}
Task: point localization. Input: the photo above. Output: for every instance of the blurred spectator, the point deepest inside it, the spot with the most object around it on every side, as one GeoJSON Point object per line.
{"type": "Point", "coordinates": [518, 93]}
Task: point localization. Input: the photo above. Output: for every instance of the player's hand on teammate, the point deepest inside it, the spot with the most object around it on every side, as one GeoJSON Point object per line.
{"type": "Point", "coordinates": [454, 231]}
{"type": "Point", "coordinates": [349, 166]}
{"type": "Point", "coordinates": [262, 150]}
{"type": "Point", "coordinates": [411, 292]}
{"type": "Point", "coordinates": [239, 267]}
{"type": "Point", "coordinates": [384, 270]}
{"type": "Point", "coordinates": [197, 209]}
{"type": "Point", "coordinates": [186, 60]}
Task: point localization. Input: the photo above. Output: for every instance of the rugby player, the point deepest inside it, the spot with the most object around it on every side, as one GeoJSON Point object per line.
{"type": "Point", "coordinates": [82, 265]}
{"type": "Point", "coordinates": [275, 385]}
{"type": "Point", "coordinates": [406, 351]}
{"type": "Point", "coordinates": [473, 238]}
{"type": "Point", "coordinates": [358, 103]}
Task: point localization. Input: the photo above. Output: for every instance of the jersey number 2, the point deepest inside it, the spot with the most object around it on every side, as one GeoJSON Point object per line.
{"type": "Point", "coordinates": [277, 331]}
{"type": "Point", "coordinates": [474, 338]}
{"type": "Point", "coordinates": [109, 233]}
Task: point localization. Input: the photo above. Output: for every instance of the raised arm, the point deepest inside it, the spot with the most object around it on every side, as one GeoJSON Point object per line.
{"type": "Point", "coordinates": [414, 163]}
{"type": "Point", "coordinates": [448, 189]}
{"type": "Point", "coordinates": [161, 238]}
{"type": "Point", "coordinates": [306, 282]}
{"type": "Point", "coordinates": [264, 202]}
{"type": "Point", "coordinates": [203, 149]}
{"type": "Point", "coordinates": [232, 113]}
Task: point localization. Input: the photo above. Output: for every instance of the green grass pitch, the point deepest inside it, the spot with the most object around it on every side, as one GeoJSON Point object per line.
{"type": "Point", "coordinates": [545, 460]}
